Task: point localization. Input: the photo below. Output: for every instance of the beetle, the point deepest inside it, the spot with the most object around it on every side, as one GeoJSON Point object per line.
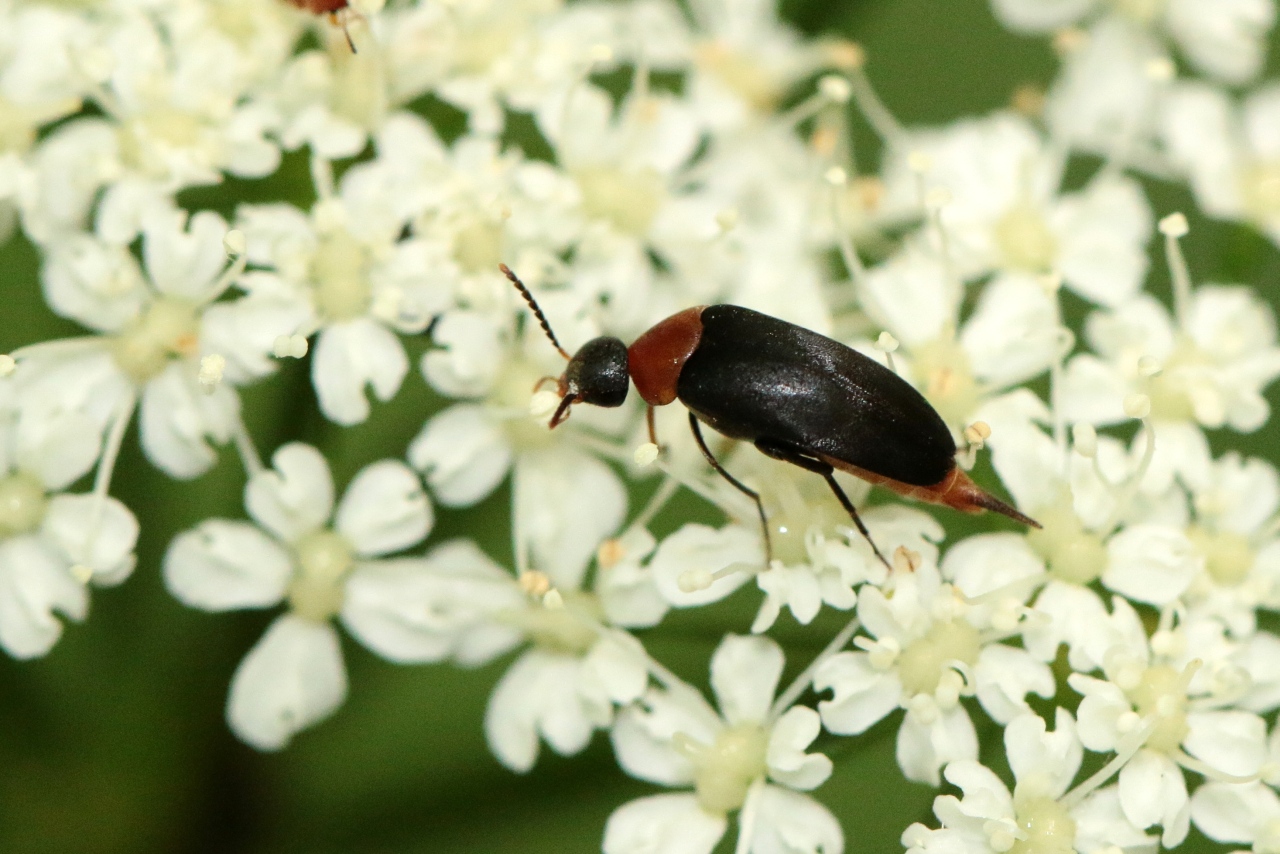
{"type": "Point", "coordinates": [798, 396]}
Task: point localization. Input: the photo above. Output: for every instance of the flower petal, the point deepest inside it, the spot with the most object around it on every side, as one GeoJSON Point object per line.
{"type": "Point", "coordinates": [72, 520]}
{"type": "Point", "coordinates": [223, 565]}
{"type": "Point", "coordinates": [791, 823]}
{"type": "Point", "coordinates": [744, 675]}
{"type": "Point", "coordinates": [293, 497]}
{"type": "Point", "coordinates": [292, 678]}
{"type": "Point", "coordinates": [384, 509]}
{"type": "Point", "coordinates": [350, 355]}
{"type": "Point", "coordinates": [462, 453]}
{"type": "Point", "coordinates": [34, 583]}
{"type": "Point", "coordinates": [178, 418]}
{"type": "Point", "coordinates": [671, 824]}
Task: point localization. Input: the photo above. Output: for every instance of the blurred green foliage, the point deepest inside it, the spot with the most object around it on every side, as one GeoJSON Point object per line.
{"type": "Point", "coordinates": [115, 742]}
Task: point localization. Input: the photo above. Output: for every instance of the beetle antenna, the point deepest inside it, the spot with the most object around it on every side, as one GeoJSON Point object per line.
{"type": "Point", "coordinates": [988, 501]}
{"type": "Point", "coordinates": [533, 304]}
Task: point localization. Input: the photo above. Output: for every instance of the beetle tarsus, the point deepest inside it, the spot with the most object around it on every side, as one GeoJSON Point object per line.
{"type": "Point", "coordinates": [796, 458]}
{"type": "Point", "coordinates": [737, 484]}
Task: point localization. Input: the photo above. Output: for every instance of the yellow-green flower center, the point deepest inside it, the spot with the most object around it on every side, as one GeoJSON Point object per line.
{"type": "Point", "coordinates": [1025, 240]}
{"type": "Point", "coordinates": [922, 664]}
{"type": "Point", "coordinates": [943, 373]}
{"type": "Point", "coordinates": [723, 772]}
{"type": "Point", "coordinates": [1161, 693]}
{"type": "Point", "coordinates": [628, 199]}
{"type": "Point", "coordinates": [1071, 553]}
{"type": "Point", "coordinates": [1049, 828]}
{"type": "Point", "coordinates": [322, 560]}
{"type": "Point", "coordinates": [340, 276]}
{"type": "Point", "coordinates": [167, 329]}
{"type": "Point", "coordinates": [1228, 556]}
{"type": "Point", "coordinates": [22, 504]}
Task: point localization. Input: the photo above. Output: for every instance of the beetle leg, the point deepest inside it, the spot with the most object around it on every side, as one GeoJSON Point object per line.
{"type": "Point", "coordinates": [737, 484]}
{"type": "Point", "coordinates": [653, 430]}
{"type": "Point", "coordinates": [796, 457]}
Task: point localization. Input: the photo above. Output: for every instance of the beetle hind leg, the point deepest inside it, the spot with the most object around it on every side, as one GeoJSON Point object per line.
{"type": "Point", "coordinates": [737, 484]}
{"type": "Point", "coordinates": [796, 457]}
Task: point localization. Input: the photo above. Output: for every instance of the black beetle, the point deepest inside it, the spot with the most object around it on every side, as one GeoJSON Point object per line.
{"type": "Point", "coordinates": [798, 396]}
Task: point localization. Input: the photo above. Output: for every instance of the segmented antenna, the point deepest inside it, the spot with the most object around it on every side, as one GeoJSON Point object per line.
{"type": "Point", "coordinates": [533, 304]}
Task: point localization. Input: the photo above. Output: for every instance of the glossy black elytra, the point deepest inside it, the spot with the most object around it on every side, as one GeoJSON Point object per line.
{"type": "Point", "coordinates": [798, 396]}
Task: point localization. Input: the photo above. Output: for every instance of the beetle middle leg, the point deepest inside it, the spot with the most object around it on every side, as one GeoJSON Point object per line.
{"type": "Point", "coordinates": [737, 484]}
{"type": "Point", "coordinates": [790, 454]}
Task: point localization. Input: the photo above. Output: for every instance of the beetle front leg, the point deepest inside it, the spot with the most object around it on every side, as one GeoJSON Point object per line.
{"type": "Point", "coordinates": [796, 457]}
{"type": "Point", "coordinates": [739, 485]}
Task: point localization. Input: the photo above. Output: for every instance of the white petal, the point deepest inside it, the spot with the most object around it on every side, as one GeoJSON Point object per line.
{"type": "Point", "coordinates": [644, 733]}
{"type": "Point", "coordinates": [244, 332]}
{"type": "Point", "coordinates": [863, 695]}
{"type": "Point", "coordinates": [922, 749]}
{"type": "Point", "coordinates": [1152, 789]}
{"type": "Point", "coordinates": [615, 670]}
{"type": "Point", "coordinates": [58, 446]}
{"type": "Point", "coordinates": [536, 696]}
{"type": "Point", "coordinates": [566, 502]}
{"type": "Point", "coordinates": [1012, 335]}
{"type": "Point", "coordinates": [222, 565]}
{"type": "Point", "coordinates": [911, 297]}
{"type": "Point", "coordinates": [1103, 231]}
{"type": "Point", "coordinates": [92, 282]}
{"type": "Point", "coordinates": [1005, 676]}
{"type": "Point", "coordinates": [1226, 39]}
{"type": "Point", "coordinates": [183, 258]}
{"type": "Point", "coordinates": [1039, 16]}
{"type": "Point", "coordinates": [1151, 563]}
{"type": "Point", "coordinates": [439, 607]}
{"type": "Point", "coordinates": [463, 454]}
{"type": "Point", "coordinates": [698, 548]}
{"type": "Point", "coordinates": [1227, 813]}
{"type": "Point", "coordinates": [178, 418]}
{"type": "Point", "coordinates": [792, 823]}
{"type": "Point", "coordinates": [292, 678]}
{"type": "Point", "coordinates": [1050, 759]}
{"type": "Point", "coordinates": [34, 583]}
{"type": "Point", "coordinates": [1230, 741]}
{"type": "Point", "coordinates": [384, 509]}
{"type": "Point", "coordinates": [663, 824]}
{"type": "Point", "coordinates": [470, 355]}
{"type": "Point", "coordinates": [788, 763]}
{"type": "Point", "coordinates": [348, 356]}
{"type": "Point", "coordinates": [744, 675]}
{"type": "Point", "coordinates": [293, 497]}
{"type": "Point", "coordinates": [100, 536]}
{"type": "Point", "coordinates": [796, 587]}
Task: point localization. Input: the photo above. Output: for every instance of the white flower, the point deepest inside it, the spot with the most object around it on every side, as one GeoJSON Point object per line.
{"type": "Point", "coordinates": [52, 542]}
{"type": "Point", "coordinates": [673, 737]}
{"type": "Point", "coordinates": [1003, 210]}
{"type": "Point", "coordinates": [352, 280]}
{"type": "Point", "coordinates": [1161, 702]}
{"type": "Point", "coordinates": [963, 369]}
{"type": "Point", "coordinates": [152, 333]}
{"type": "Point", "coordinates": [1248, 813]}
{"type": "Point", "coordinates": [1225, 39]}
{"type": "Point", "coordinates": [324, 562]}
{"type": "Point", "coordinates": [1038, 815]}
{"type": "Point", "coordinates": [1231, 153]}
{"type": "Point", "coordinates": [926, 650]}
{"type": "Point", "coordinates": [1208, 367]}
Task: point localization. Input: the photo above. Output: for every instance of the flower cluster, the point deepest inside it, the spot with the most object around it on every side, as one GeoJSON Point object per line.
{"type": "Point", "coordinates": [628, 160]}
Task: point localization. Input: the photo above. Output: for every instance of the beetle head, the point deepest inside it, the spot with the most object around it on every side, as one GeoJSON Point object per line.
{"type": "Point", "coordinates": [597, 374]}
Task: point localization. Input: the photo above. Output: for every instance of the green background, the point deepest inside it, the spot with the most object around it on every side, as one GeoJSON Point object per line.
{"type": "Point", "coordinates": [115, 742]}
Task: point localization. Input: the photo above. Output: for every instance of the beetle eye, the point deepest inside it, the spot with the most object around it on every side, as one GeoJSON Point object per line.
{"type": "Point", "coordinates": [597, 373]}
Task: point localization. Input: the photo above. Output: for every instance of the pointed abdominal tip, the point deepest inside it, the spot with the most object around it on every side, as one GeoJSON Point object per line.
{"type": "Point", "coordinates": [987, 501]}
